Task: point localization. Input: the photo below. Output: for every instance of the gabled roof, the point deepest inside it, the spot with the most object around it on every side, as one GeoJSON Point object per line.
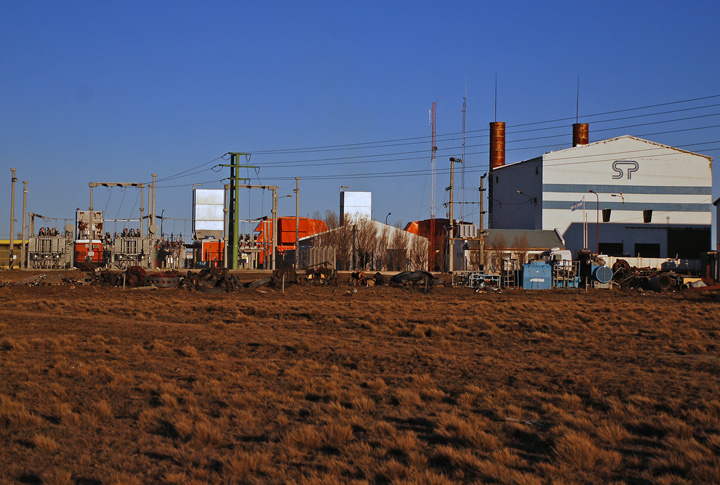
{"type": "Point", "coordinates": [642, 140]}
{"type": "Point", "coordinates": [610, 140]}
{"type": "Point", "coordinates": [536, 239]}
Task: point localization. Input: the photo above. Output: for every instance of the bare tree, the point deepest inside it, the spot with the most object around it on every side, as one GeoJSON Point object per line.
{"type": "Point", "coordinates": [498, 247]}
{"type": "Point", "coordinates": [522, 248]}
{"type": "Point", "coordinates": [419, 253]}
{"type": "Point", "coordinates": [397, 253]}
{"type": "Point", "coordinates": [365, 234]}
{"type": "Point", "coordinates": [381, 249]}
{"type": "Point", "coordinates": [441, 254]}
{"type": "Point", "coordinates": [475, 258]}
{"type": "Point", "coordinates": [338, 237]}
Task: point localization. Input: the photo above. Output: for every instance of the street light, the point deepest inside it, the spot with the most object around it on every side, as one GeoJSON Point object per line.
{"type": "Point", "coordinates": [597, 220]}
{"type": "Point", "coordinates": [619, 194]}
{"type": "Point", "coordinates": [344, 187]}
{"type": "Point", "coordinates": [386, 217]}
{"type": "Point", "coordinates": [530, 198]}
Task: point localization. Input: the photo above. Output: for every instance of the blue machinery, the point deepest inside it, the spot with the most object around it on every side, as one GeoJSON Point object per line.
{"type": "Point", "coordinates": [540, 275]}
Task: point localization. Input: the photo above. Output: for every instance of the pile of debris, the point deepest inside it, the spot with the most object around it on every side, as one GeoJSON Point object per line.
{"type": "Point", "coordinates": [320, 275]}
{"type": "Point", "coordinates": [631, 278]}
{"type": "Point", "coordinates": [422, 279]}
{"type": "Point", "coordinates": [220, 279]}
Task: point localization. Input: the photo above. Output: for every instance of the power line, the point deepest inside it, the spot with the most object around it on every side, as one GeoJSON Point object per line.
{"type": "Point", "coordinates": [169, 177]}
{"type": "Point", "coordinates": [201, 168]}
{"type": "Point", "coordinates": [476, 169]}
{"type": "Point", "coordinates": [363, 159]}
{"type": "Point", "coordinates": [425, 138]}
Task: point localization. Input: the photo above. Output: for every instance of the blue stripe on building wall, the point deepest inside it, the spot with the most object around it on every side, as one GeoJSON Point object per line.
{"type": "Point", "coordinates": [629, 206]}
{"type": "Point", "coordinates": [627, 189]}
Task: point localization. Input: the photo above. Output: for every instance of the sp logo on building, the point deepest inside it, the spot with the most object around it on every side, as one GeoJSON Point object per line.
{"type": "Point", "coordinates": [622, 166]}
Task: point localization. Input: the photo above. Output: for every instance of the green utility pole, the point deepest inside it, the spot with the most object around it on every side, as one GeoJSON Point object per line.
{"type": "Point", "coordinates": [234, 220]}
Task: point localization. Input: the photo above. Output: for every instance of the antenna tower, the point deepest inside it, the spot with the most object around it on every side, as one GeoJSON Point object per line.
{"type": "Point", "coordinates": [462, 168]}
{"type": "Point", "coordinates": [433, 124]}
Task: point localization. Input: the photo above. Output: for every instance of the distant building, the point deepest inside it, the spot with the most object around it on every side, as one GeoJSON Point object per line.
{"type": "Point", "coordinates": [368, 245]}
{"type": "Point", "coordinates": [645, 198]}
{"type": "Point", "coordinates": [357, 205]}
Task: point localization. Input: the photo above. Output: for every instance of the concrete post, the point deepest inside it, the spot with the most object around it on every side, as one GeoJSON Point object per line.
{"type": "Point", "coordinates": [23, 263]}
{"type": "Point", "coordinates": [297, 223]}
{"type": "Point", "coordinates": [142, 209]}
{"type": "Point", "coordinates": [153, 198]}
{"type": "Point", "coordinates": [482, 221]}
{"type": "Point", "coordinates": [12, 218]}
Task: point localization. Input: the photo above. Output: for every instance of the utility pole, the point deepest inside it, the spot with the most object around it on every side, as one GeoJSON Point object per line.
{"type": "Point", "coordinates": [453, 160]}
{"type": "Point", "coordinates": [433, 124]}
{"type": "Point", "coordinates": [22, 247]}
{"type": "Point", "coordinates": [153, 199]}
{"type": "Point", "coordinates": [226, 187]}
{"type": "Point", "coordinates": [12, 217]}
{"type": "Point", "coordinates": [482, 220]}
{"type": "Point", "coordinates": [142, 196]}
{"type": "Point", "coordinates": [233, 218]}
{"type": "Point", "coordinates": [297, 223]}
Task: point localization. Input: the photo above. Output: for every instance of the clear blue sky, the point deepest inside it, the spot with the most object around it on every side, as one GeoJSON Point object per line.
{"type": "Point", "coordinates": [115, 91]}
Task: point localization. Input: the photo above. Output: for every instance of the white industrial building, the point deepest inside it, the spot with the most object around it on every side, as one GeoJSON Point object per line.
{"type": "Point", "coordinates": [629, 196]}
{"type": "Point", "coordinates": [357, 205]}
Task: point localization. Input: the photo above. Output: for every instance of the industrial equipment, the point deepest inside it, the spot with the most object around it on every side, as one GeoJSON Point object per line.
{"type": "Point", "coordinates": [89, 237]}
{"type": "Point", "coordinates": [50, 248]}
{"type": "Point", "coordinates": [537, 275]}
{"type": "Point", "coordinates": [593, 270]}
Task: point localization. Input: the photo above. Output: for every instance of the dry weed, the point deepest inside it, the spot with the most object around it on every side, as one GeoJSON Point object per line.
{"type": "Point", "coordinates": [123, 478]}
{"type": "Point", "coordinates": [57, 476]}
{"type": "Point", "coordinates": [9, 343]}
{"type": "Point", "coordinates": [453, 460]}
{"type": "Point", "coordinates": [242, 465]}
{"type": "Point", "coordinates": [15, 413]}
{"type": "Point", "coordinates": [305, 437]}
{"type": "Point", "coordinates": [103, 409]}
{"type": "Point", "coordinates": [577, 451]}
{"type": "Point", "coordinates": [407, 398]}
{"type": "Point", "coordinates": [45, 443]}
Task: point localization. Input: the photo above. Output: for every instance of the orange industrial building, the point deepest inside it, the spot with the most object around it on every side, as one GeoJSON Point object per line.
{"type": "Point", "coordinates": [422, 228]}
{"type": "Point", "coordinates": [286, 232]}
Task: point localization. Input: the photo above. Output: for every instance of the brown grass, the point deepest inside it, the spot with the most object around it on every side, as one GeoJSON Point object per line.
{"type": "Point", "coordinates": [384, 386]}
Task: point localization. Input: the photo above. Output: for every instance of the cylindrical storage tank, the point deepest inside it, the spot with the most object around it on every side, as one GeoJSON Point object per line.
{"type": "Point", "coordinates": [497, 144]}
{"type": "Point", "coordinates": [581, 134]}
{"type": "Point", "coordinates": [603, 274]}
{"type": "Point", "coordinates": [660, 282]}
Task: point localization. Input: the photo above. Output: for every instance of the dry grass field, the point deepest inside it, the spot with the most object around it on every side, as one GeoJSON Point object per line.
{"type": "Point", "coordinates": [385, 385]}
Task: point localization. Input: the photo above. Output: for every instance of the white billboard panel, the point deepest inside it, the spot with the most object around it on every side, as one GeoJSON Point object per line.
{"type": "Point", "coordinates": [208, 215]}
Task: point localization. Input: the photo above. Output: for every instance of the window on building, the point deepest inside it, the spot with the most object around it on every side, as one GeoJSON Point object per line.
{"type": "Point", "coordinates": [612, 249]}
{"type": "Point", "coordinates": [647, 250]}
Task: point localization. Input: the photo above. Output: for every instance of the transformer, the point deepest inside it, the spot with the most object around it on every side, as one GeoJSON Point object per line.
{"type": "Point", "coordinates": [537, 275]}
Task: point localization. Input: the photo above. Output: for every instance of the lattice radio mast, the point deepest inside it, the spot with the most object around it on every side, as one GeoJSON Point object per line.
{"type": "Point", "coordinates": [462, 168]}
{"type": "Point", "coordinates": [433, 124]}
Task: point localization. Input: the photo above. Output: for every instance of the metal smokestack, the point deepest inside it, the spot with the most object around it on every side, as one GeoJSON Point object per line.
{"type": "Point", "coordinates": [581, 134]}
{"type": "Point", "coordinates": [497, 159]}
{"type": "Point", "coordinates": [497, 144]}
